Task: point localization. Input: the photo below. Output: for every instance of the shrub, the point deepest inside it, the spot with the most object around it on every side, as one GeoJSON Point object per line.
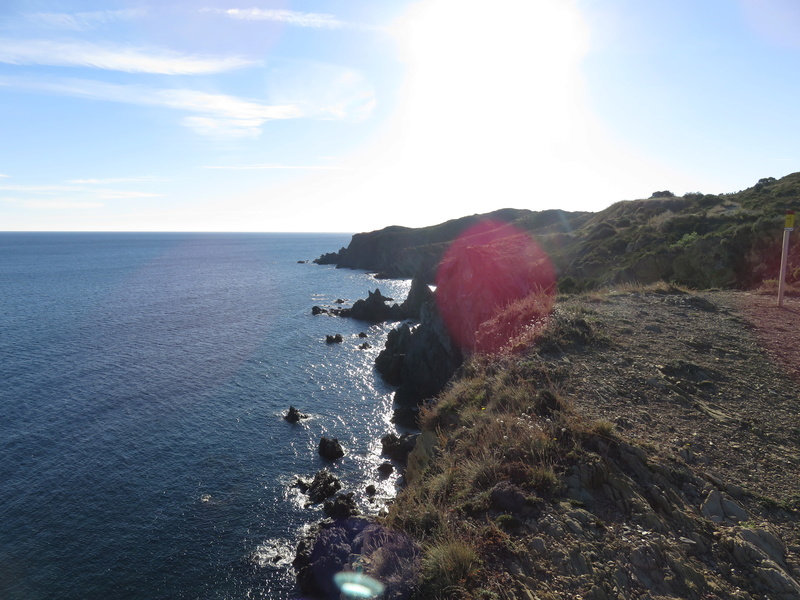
{"type": "Point", "coordinates": [446, 563]}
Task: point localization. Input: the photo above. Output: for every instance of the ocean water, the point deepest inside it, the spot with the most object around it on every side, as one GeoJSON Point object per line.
{"type": "Point", "coordinates": [143, 378]}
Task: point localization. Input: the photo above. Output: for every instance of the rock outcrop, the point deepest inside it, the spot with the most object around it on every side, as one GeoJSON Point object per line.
{"type": "Point", "coordinates": [324, 485]}
{"type": "Point", "coordinates": [330, 448]}
{"type": "Point", "coordinates": [293, 415]}
{"type": "Point", "coordinates": [420, 360]}
{"type": "Point", "coordinates": [336, 546]}
{"type": "Point", "coordinates": [374, 309]}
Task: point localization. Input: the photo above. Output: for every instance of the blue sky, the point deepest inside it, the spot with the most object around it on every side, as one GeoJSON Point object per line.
{"type": "Point", "coordinates": [257, 115]}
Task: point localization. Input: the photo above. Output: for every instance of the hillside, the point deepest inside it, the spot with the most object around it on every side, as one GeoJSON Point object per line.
{"type": "Point", "coordinates": [609, 440]}
{"type": "Point", "coordinates": [645, 445]}
{"type": "Point", "coordinates": [700, 240]}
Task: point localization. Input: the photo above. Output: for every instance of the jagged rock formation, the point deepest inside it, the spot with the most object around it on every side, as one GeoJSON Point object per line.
{"type": "Point", "coordinates": [324, 485]}
{"type": "Point", "coordinates": [374, 309]}
{"type": "Point", "coordinates": [330, 448]}
{"type": "Point", "coordinates": [293, 415]}
{"type": "Point", "coordinates": [420, 361]}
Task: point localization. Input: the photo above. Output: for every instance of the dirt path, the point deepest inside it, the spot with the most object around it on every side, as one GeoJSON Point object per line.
{"type": "Point", "coordinates": [709, 379]}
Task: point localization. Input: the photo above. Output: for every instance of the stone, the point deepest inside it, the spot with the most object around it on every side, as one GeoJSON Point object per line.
{"type": "Point", "coordinates": [398, 447]}
{"type": "Point", "coordinates": [733, 511]}
{"type": "Point", "coordinates": [294, 415]}
{"type": "Point", "coordinates": [374, 309]}
{"type": "Point", "coordinates": [334, 339]}
{"type": "Point", "coordinates": [323, 552]}
{"type": "Point", "coordinates": [324, 485]}
{"type": "Point", "coordinates": [385, 468]}
{"type": "Point", "coordinates": [341, 507]}
{"type": "Point", "coordinates": [712, 507]}
{"type": "Point", "coordinates": [330, 448]}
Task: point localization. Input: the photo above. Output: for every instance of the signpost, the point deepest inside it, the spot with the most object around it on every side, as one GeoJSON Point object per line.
{"type": "Point", "coordinates": [788, 227]}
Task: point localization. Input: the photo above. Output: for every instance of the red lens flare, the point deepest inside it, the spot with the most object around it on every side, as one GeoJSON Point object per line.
{"type": "Point", "coordinates": [493, 286]}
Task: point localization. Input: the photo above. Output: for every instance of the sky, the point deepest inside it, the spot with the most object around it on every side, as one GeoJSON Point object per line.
{"type": "Point", "coordinates": [352, 115]}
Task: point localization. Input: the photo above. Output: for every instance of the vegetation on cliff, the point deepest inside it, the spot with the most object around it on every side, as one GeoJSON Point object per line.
{"type": "Point", "coordinates": [698, 240]}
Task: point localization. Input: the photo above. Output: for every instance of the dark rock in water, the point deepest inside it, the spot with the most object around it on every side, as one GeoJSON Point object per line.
{"type": "Point", "coordinates": [334, 546]}
{"type": "Point", "coordinates": [294, 415]}
{"type": "Point", "coordinates": [371, 490]}
{"type": "Point", "coordinates": [334, 339]}
{"type": "Point", "coordinates": [336, 312]}
{"type": "Point", "coordinates": [398, 447]}
{"type": "Point", "coordinates": [420, 361]}
{"type": "Point", "coordinates": [323, 553]}
{"type": "Point", "coordinates": [329, 258]}
{"type": "Point", "coordinates": [386, 468]}
{"type": "Point", "coordinates": [330, 448]}
{"type": "Point", "coordinates": [301, 262]}
{"type": "Point", "coordinates": [365, 346]}
{"type": "Point", "coordinates": [339, 301]}
{"type": "Point", "coordinates": [362, 334]}
{"type": "Point", "coordinates": [341, 507]}
{"type": "Point", "coordinates": [324, 485]}
{"type": "Point", "coordinates": [374, 309]}
{"type": "Point", "coordinates": [381, 275]}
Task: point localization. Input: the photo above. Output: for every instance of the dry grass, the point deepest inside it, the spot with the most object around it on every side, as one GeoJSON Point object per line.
{"type": "Point", "coordinates": [505, 420]}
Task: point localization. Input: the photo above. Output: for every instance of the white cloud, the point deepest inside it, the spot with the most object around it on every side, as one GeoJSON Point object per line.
{"type": "Point", "coordinates": [114, 180]}
{"type": "Point", "coordinates": [216, 115]}
{"type": "Point", "coordinates": [290, 17]}
{"type": "Point", "coordinates": [83, 21]}
{"type": "Point", "coordinates": [63, 205]}
{"type": "Point", "coordinates": [269, 167]}
{"type": "Point", "coordinates": [41, 189]}
{"type": "Point", "coordinates": [123, 194]}
{"type": "Point", "coordinates": [324, 91]}
{"type": "Point", "coordinates": [114, 57]}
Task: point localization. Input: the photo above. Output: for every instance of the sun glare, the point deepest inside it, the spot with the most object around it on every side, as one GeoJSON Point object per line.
{"type": "Point", "coordinates": [490, 93]}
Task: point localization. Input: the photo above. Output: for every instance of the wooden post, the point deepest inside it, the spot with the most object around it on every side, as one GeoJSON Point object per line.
{"type": "Point", "coordinates": [788, 227]}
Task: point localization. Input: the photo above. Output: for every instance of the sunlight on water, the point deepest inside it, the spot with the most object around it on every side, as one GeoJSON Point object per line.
{"type": "Point", "coordinates": [144, 402]}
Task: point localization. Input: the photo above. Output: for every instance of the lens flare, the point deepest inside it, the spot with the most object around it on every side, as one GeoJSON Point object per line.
{"type": "Point", "coordinates": [493, 285]}
{"type": "Point", "coordinates": [357, 585]}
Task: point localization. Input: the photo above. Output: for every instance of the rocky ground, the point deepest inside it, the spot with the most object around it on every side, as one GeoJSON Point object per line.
{"type": "Point", "coordinates": [697, 493]}
{"type": "Point", "coordinates": [711, 379]}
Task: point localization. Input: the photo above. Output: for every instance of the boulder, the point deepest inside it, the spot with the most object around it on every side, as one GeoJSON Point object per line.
{"type": "Point", "coordinates": [374, 309]}
{"type": "Point", "coordinates": [334, 339]}
{"type": "Point", "coordinates": [398, 447]}
{"type": "Point", "coordinates": [294, 415]}
{"type": "Point", "coordinates": [322, 553]}
{"type": "Point", "coordinates": [341, 507]}
{"type": "Point", "coordinates": [330, 448]}
{"type": "Point", "coordinates": [324, 485]}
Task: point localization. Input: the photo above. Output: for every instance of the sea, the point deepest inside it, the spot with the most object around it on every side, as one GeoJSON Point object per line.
{"type": "Point", "coordinates": [143, 383]}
